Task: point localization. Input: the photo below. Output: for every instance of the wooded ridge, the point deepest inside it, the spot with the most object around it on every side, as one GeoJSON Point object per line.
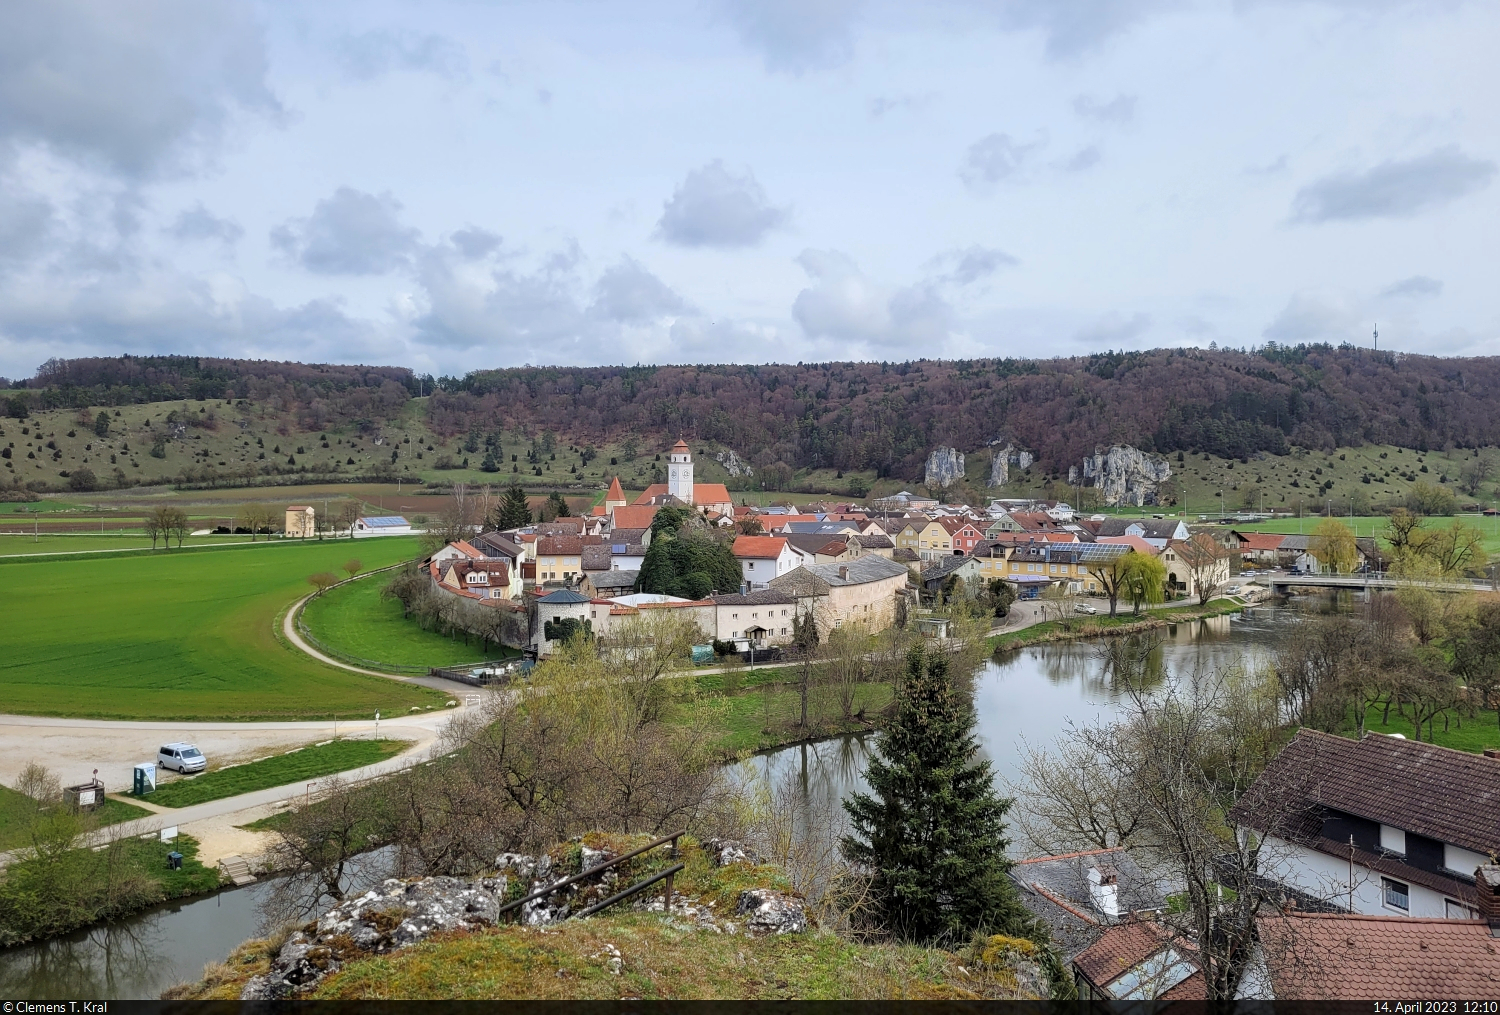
{"type": "Point", "coordinates": [883, 416]}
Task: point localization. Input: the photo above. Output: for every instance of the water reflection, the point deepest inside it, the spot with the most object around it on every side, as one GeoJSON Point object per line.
{"type": "Point", "coordinates": [136, 958]}
{"type": "Point", "coordinates": [1037, 694]}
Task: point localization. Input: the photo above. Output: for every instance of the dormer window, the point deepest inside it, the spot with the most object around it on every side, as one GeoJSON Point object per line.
{"type": "Point", "coordinates": [1392, 840]}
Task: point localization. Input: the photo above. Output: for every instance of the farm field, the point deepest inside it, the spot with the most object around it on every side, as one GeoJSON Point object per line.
{"type": "Point", "coordinates": [23, 545]}
{"type": "Point", "coordinates": [294, 766]}
{"type": "Point", "coordinates": [355, 621]}
{"type": "Point", "coordinates": [187, 636]}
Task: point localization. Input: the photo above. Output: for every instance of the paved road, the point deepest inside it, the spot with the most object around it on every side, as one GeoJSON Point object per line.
{"type": "Point", "coordinates": [422, 730]}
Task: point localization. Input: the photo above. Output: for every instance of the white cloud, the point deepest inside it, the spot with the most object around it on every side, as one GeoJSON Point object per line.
{"type": "Point", "coordinates": [714, 207]}
{"type": "Point", "coordinates": [1416, 285]}
{"type": "Point", "coordinates": [847, 306]}
{"type": "Point", "coordinates": [992, 159]}
{"type": "Point", "coordinates": [1120, 109]}
{"type": "Point", "coordinates": [795, 35]}
{"type": "Point", "coordinates": [1395, 188]}
{"type": "Point", "coordinates": [971, 264]}
{"type": "Point", "coordinates": [372, 54]}
{"type": "Point", "coordinates": [139, 88]}
{"type": "Point", "coordinates": [198, 223]}
{"type": "Point", "coordinates": [349, 233]}
{"type": "Point", "coordinates": [630, 294]}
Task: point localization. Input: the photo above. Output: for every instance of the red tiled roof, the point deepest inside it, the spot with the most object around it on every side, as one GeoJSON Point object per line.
{"type": "Point", "coordinates": [953, 524]}
{"type": "Point", "coordinates": [681, 445]}
{"type": "Point", "coordinates": [1126, 945]}
{"type": "Point", "coordinates": [759, 547]}
{"type": "Point", "coordinates": [1260, 540]}
{"type": "Point", "coordinates": [464, 548]}
{"type": "Point", "coordinates": [1320, 956]}
{"type": "Point", "coordinates": [634, 517]}
{"type": "Point", "coordinates": [703, 493]}
{"type": "Point", "coordinates": [570, 546]}
{"type": "Point", "coordinates": [615, 492]}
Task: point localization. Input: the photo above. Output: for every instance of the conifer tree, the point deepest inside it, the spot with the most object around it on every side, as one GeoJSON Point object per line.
{"type": "Point", "coordinates": [932, 831]}
{"type": "Point", "coordinates": [513, 512]}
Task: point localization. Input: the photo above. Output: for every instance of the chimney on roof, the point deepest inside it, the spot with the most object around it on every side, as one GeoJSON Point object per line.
{"type": "Point", "coordinates": [1492, 752]}
{"type": "Point", "coordinates": [843, 572]}
{"type": "Point", "coordinates": [1487, 888]}
{"type": "Point", "coordinates": [1104, 888]}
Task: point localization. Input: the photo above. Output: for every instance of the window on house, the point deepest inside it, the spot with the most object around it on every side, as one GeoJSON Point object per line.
{"type": "Point", "coordinates": [1397, 894]}
{"type": "Point", "coordinates": [1458, 911]}
{"type": "Point", "coordinates": [1392, 839]}
{"type": "Point", "coordinates": [783, 630]}
{"type": "Point", "coordinates": [1462, 861]}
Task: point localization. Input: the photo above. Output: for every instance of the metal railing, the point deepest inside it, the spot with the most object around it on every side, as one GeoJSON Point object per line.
{"type": "Point", "coordinates": [666, 875]}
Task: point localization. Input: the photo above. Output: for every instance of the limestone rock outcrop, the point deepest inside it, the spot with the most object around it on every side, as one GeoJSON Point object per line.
{"type": "Point", "coordinates": [1007, 458]}
{"type": "Point", "coordinates": [945, 466]}
{"type": "Point", "coordinates": [1123, 475]}
{"type": "Point", "coordinates": [733, 463]}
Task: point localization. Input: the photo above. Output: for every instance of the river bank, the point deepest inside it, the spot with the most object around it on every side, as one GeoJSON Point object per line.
{"type": "Point", "coordinates": [1078, 627]}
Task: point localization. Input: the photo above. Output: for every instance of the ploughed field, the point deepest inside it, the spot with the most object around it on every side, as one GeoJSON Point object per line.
{"type": "Point", "coordinates": [182, 636]}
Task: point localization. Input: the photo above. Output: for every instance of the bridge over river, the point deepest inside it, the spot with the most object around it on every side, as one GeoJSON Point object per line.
{"type": "Point", "coordinates": [1283, 583]}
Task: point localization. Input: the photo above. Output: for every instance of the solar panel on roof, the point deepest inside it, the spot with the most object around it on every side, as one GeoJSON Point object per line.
{"type": "Point", "coordinates": [618, 548]}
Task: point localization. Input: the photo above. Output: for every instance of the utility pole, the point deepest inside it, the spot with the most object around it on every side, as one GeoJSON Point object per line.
{"type": "Point", "coordinates": [1377, 337]}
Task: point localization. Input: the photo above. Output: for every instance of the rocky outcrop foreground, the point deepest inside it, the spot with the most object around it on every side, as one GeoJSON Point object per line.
{"type": "Point", "coordinates": [401, 913]}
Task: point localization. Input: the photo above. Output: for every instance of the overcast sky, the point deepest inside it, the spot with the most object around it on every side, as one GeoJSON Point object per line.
{"type": "Point", "coordinates": [464, 185]}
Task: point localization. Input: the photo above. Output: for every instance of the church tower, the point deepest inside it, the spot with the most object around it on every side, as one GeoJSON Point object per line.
{"type": "Point", "coordinates": [680, 472]}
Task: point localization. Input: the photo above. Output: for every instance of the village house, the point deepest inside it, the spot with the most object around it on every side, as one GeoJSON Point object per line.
{"type": "Point", "coordinates": [954, 566]}
{"type": "Point", "coordinates": [1312, 957]}
{"type": "Point", "coordinates": [962, 533]}
{"type": "Point", "coordinates": [1258, 547]}
{"type": "Point", "coordinates": [1380, 826]}
{"type": "Point", "coordinates": [486, 579]}
{"type": "Point", "coordinates": [1079, 896]}
{"type": "Point", "coordinates": [1156, 531]}
{"type": "Point", "coordinates": [609, 584]}
{"type": "Point", "coordinates": [863, 591]}
{"type": "Point", "coordinates": [1196, 562]}
{"type": "Point", "coordinates": [301, 522]}
{"type": "Point", "coordinates": [758, 619]}
{"type": "Point", "coordinates": [763, 558]}
{"type": "Point", "coordinates": [559, 558]}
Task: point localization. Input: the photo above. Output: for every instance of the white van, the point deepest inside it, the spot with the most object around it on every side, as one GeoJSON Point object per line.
{"type": "Point", "coordinates": [184, 758]}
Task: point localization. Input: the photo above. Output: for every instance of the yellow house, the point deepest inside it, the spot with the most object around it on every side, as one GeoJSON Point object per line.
{"type": "Point", "coordinates": [559, 558]}
{"type": "Point", "coordinates": [1042, 564]}
{"type": "Point", "coordinates": [926, 538]}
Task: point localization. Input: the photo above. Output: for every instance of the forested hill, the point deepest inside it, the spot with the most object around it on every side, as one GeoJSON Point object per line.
{"type": "Point", "coordinates": [884, 416]}
{"type": "Point", "coordinates": [318, 393]}
{"type": "Point", "coordinates": [887, 416]}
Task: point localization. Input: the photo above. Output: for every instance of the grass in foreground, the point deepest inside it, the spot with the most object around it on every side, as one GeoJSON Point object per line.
{"type": "Point", "coordinates": [13, 832]}
{"type": "Point", "coordinates": [189, 636]}
{"type": "Point", "coordinates": [661, 958]}
{"type": "Point", "coordinates": [295, 766]}
{"type": "Point", "coordinates": [355, 621]}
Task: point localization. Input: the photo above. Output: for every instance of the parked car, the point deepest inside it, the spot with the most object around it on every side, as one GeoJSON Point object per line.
{"type": "Point", "coordinates": [184, 758]}
{"type": "Point", "coordinates": [1232, 590]}
{"type": "Point", "coordinates": [1083, 608]}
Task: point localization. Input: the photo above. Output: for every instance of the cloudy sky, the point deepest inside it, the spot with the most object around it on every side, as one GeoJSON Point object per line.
{"type": "Point", "coordinates": [460, 185]}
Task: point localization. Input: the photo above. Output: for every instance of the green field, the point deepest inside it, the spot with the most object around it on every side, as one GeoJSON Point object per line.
{"type": "Point", "coordinates": [357, 623]}
{"type": "Point", "coordinates": [294, 766]}
{"type": "Point", "coordinates": [23, 545]}
{"type": "Point", "coordinates": [1474, 734]}
{"type": "Point", "coordinates": [187, 636]}
{"type": "Point", "coordinates": [12, 830]}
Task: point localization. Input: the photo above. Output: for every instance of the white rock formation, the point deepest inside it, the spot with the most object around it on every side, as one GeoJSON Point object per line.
{"type": "Point", "coordinates": [1124, 475]}
{"type": "Point", "coordinates": [733, 463]}
{"type": "Point", "coordinates": [1005, 459]}
{"type": "Point", "coordinates": [945, 466]}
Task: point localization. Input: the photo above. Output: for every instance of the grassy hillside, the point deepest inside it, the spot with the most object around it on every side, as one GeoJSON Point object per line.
{"type": "Point", "coordinates": [180, 636]}
{"type": "Point", "coordinates": [660, 958]}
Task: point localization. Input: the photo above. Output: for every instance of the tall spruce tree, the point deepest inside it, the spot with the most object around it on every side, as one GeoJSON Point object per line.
{"type": "Point", "coordinates": [933, 829]}
{"type": "Point", "coordinates": [513, 511]}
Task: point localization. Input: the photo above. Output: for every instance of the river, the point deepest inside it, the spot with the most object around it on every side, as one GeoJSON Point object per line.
{"type": "Point", "coordinates": [1031, 694]}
